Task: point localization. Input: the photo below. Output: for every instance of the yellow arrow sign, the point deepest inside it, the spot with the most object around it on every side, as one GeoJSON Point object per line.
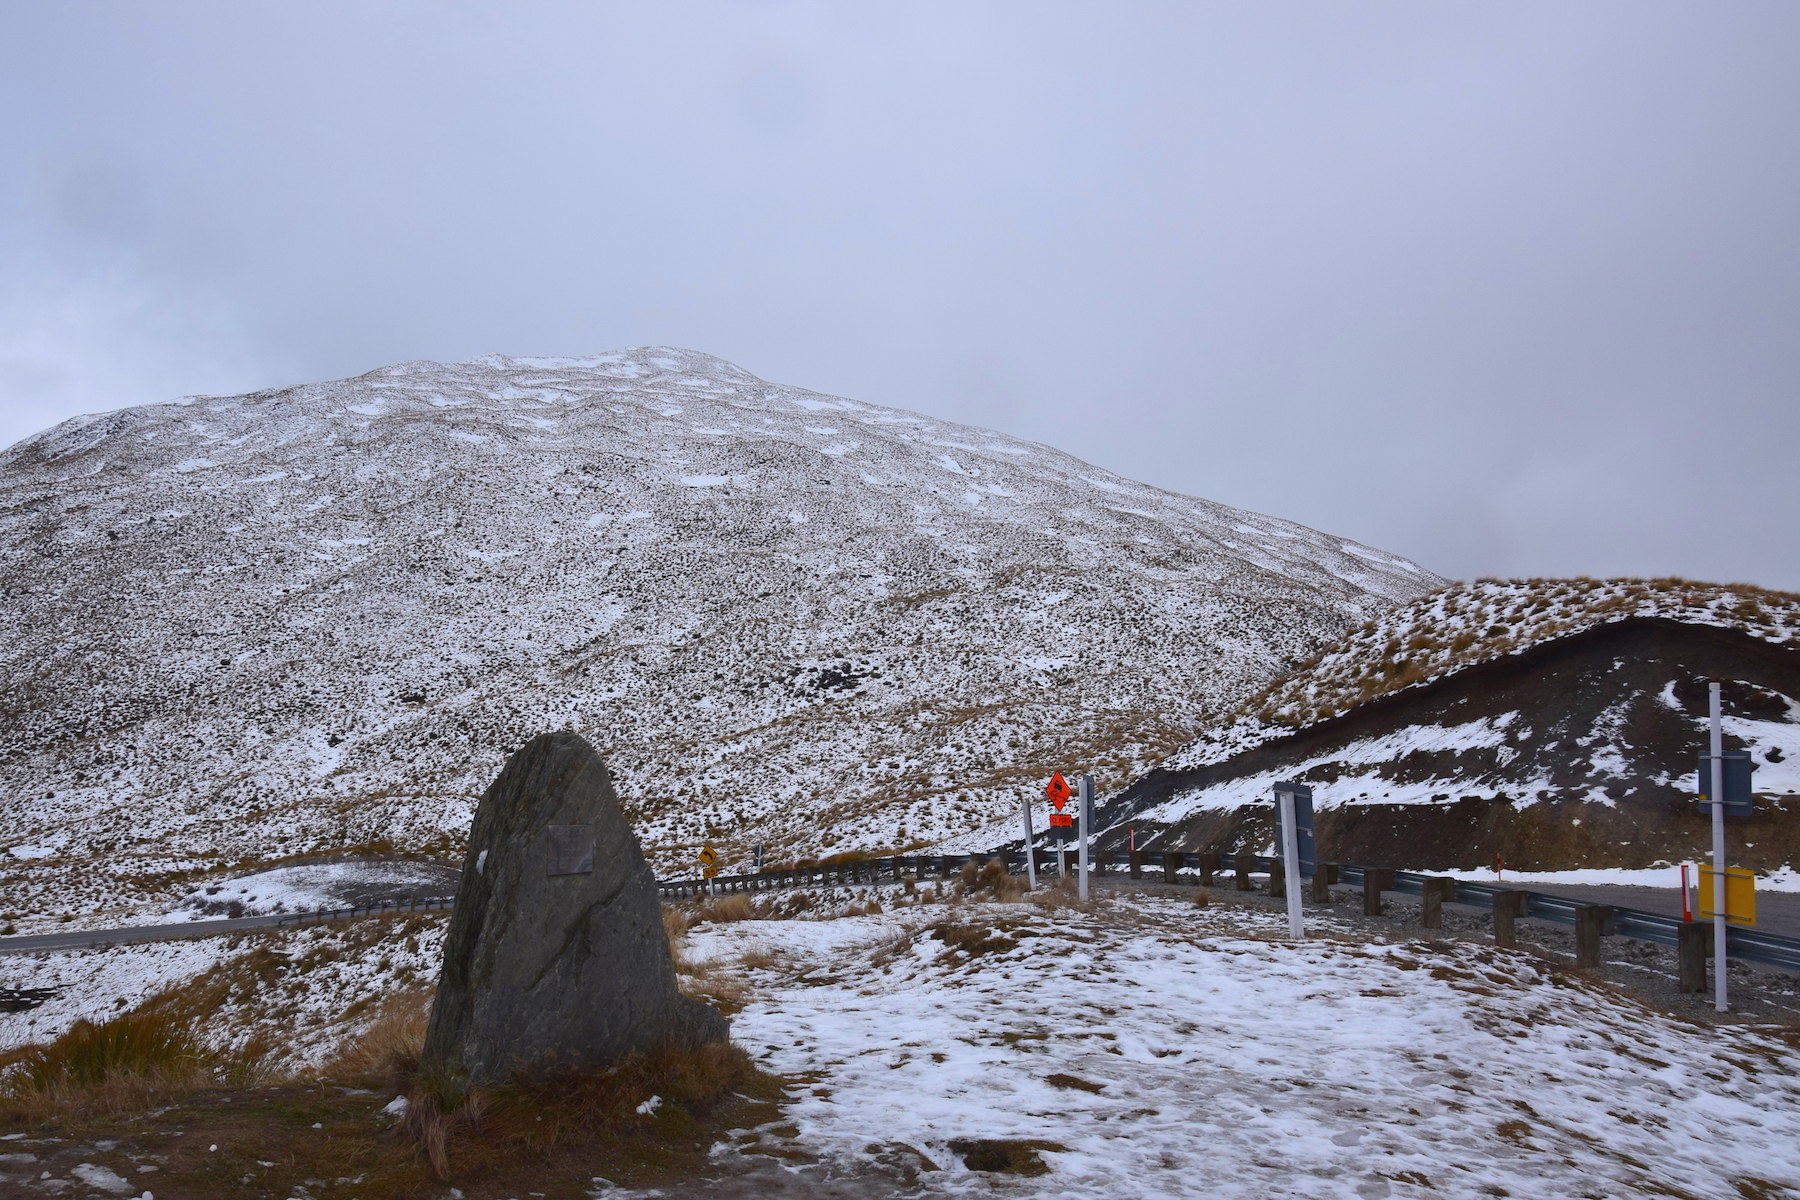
{"type": "Point", "coordinates": [708, 856]}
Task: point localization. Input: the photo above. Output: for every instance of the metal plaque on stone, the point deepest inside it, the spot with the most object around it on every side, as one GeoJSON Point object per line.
{"type": "Point", "coordinates": [569, 850]}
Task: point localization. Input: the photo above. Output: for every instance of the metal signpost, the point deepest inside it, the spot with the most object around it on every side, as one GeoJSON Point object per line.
{"type": "Point", "coordinates": [1087, 825]}
{"type": "Point", "coordinates": [1724, 787]}
{"type": "Point", "coordinates": [1717, 792]}
{"type": "Point", "coordinates": [1294, 829]}
{"type": "Point", "coordinates": [1030, 851]}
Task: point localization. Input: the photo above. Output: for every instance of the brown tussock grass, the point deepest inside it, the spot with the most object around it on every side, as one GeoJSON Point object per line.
{"type": "Point", "coordinates": [388, 1049]}
{"type": "Point", "coordinates": [129, 1061]}
{"type": "Point", "coordinates": [991, 881]}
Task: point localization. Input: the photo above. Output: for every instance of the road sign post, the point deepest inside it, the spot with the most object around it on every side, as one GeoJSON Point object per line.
{"type": "Point", "coordinates": [1293, 809]}
{"type": "Point", "coordinates": [1717, 745]}
{"type": "Point", "coordinates": [1030, 850]}
{"type": "Point", "coordinates": [1086, 816]}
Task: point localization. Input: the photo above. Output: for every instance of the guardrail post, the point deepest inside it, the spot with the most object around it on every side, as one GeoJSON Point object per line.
{"type": "Point", "coordinates": [1693, 946]}
{"type": "Point", "coordinates": [1277, 878]}
{"type": "Point", "coordinates": [1137, 864]}
{"type": "Point", "coordinates": [1509, 906]}
{"type": "Point", "coordinates": [1321, 882]}
{"type": "Point", "coordinates": [1244, 862]}
{"type": "Point", "coordinates": [1376, 880]}
{"type": "Point", "coordinates": [1172, 863]}
{"type": "Point", "coordinates": [1436, 892]}
{"type": "Point", "coordinates": [1069, 866]}
{"type": "Point", "coordinates": [1591, 920]}
{"type": "Point", "coordinates": [1209, 866]}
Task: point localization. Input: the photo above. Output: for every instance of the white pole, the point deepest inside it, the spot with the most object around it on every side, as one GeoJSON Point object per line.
{"type": "Point", "coordinates": [1030, 854]}
{"type": "Point", "coordinates": [1290, 859]}
{"type": "Point", "coordinates": [1081, 837]}
{"type": "Point", "coordinates": [1718, 832]}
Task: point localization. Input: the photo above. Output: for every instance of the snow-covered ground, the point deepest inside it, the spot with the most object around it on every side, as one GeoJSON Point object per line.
{"type": "Point", "coordinates": [1171, 1050]}
{"type": "Point", "coordinates": [1147, 1047]}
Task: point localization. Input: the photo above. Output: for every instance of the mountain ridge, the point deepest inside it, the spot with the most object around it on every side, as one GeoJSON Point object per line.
{"type": "Point", "coordinates": [242, 628]}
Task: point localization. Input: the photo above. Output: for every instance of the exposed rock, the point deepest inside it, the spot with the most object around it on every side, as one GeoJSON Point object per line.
{"type": "Point", "coordinates": [556, 959]}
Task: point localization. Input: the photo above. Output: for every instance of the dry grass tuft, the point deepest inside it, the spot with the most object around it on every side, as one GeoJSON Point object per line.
{"type": "Point", "coordinates": [737, 907]}
{"type": "Point", "coordinates": [388, 1049]}
{"type": "Point", "coordinates": [972, 940]}
{"type": "Point", "coordinates": [992, 880]}
{"type": "Point", "coordinates": [125, 1062]}
{"type": "Point", "coordinates": [1064, 893]}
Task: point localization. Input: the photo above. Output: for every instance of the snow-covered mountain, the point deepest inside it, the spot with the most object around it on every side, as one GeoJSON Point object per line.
{"type": "Point", "coordinates": [242, 628]}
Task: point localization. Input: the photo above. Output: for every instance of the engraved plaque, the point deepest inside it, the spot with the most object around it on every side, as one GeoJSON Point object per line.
{"type": "Point", "coordinates": [570, 850]}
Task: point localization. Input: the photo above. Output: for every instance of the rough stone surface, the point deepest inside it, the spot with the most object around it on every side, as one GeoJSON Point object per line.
{"type": "Point", "coordinates": [556, 959]}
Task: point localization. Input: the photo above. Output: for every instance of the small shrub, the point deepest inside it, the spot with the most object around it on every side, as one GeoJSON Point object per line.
{"type": "Point", "coordinates": [736, 907]}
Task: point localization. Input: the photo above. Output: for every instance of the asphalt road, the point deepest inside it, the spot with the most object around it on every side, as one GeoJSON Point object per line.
{"type": "Point", "coordinates": [79, 939]}
{"type": "Point", "coordinates": [1776, 912]}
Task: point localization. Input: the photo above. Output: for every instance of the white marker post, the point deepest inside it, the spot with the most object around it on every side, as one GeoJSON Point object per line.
{"type": "Point", "coordinates": [1086, 800]}
{"type": "Point", "coordinates": [1718, 831]}
{"type": "Point", "coordinates": [1030, 854]}
{"type": "Point", "coordinates": [1290, 860]}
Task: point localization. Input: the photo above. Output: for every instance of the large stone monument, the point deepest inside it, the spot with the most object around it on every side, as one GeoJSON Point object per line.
{"type": "Point", "coordinates": [555, 960]}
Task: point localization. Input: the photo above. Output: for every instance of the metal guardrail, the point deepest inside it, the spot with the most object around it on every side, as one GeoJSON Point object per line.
{"type": "Point", "coordinates": [408, 904]}
{"type": "Point", "coordinates": [1749, 945]}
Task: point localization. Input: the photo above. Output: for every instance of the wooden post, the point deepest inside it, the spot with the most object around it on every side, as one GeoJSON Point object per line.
{"type": "Point", "coordinates": [1436, 892]}
{"type": "Point", "coordinates": [1591, 921]}
{"type": "Point", "coordinates": [1172, 863]}
{"type": "Point", "coordinates": [1321, 884]}
{"type": "Point", "coordinates": [1693, 946]}
{"type": "Point", "coordinates": [1244, 863]}
{"type": "Point", "coordinates": [1209, 866]}
{"type": "Point", "coordinates": [1376, 880]}
{"type": "Point", "coordinates": [1277, 878]}
{"type": "Point", "coordinates": [1137, 864]}
{"type": "Point", "coordinates": [1509, 906]}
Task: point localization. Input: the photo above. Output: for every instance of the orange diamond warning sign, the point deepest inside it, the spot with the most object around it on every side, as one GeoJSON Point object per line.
{"type": "Point", "coordinates": [1059, 792]}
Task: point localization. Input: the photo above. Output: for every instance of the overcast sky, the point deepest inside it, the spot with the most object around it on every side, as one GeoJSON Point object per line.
{"type": "Point", "coordinates": [1509, 288]}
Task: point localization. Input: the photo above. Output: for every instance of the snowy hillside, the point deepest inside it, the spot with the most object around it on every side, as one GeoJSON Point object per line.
{"type": "Point", "coordinates": [242, 628]}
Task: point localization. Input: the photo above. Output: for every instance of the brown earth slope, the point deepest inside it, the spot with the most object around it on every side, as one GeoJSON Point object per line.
{"type": "Point", "coordinates": [1578, 752]}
